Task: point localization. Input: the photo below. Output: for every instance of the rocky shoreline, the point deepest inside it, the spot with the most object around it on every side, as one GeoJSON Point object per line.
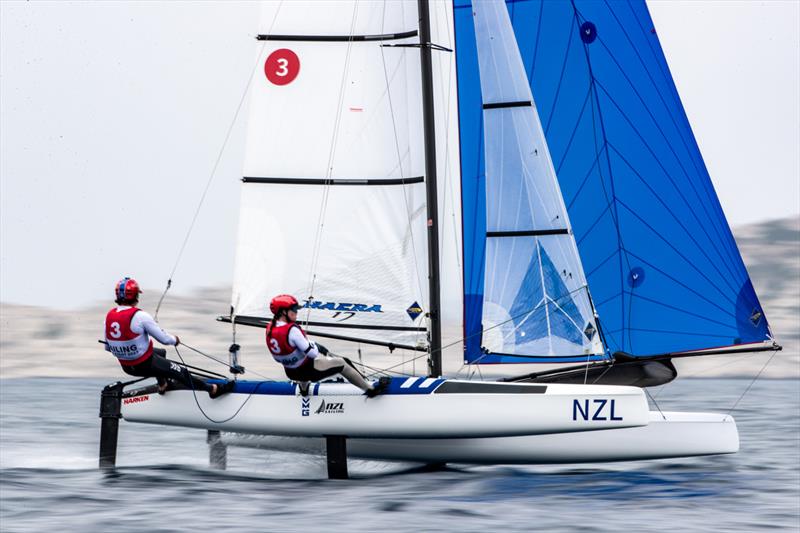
{"type": "Point", "coordinates": [42, 342]}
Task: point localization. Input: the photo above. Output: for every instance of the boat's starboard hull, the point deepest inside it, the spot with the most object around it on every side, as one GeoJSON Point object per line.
{"type": "Point", "coordinates": [668, 435]}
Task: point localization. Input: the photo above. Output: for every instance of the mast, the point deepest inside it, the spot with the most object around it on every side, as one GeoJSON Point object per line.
{"type": "Point", "coordinates": [435, 360]}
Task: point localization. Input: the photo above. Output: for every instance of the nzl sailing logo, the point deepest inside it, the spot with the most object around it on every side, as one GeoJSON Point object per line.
{"type": "Point", "coordinates": [342, 310]}
{"type": "Point", "coordinates": [329, 407]}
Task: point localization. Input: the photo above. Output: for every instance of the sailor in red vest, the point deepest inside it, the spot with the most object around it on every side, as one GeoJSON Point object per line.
{"type": "Point", "coordinates": [128, 332]}
{"type": "Point", "coordinates": [303, 360]}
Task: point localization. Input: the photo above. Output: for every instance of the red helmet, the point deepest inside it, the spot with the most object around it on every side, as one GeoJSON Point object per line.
{"type": "Point", "coordinates": [127, 289]}
{"type": "Point", "coordinates": [283, 302]}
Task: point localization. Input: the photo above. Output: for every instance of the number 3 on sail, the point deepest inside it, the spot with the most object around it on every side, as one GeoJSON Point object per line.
{"type": "Point", "coordinates": [282, 67]}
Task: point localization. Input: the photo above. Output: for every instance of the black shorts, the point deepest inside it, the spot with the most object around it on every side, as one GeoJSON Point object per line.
{"type": "Point", "coordinates": [159, 367]}
{"type": "Point", "coordinates": [307, 372]}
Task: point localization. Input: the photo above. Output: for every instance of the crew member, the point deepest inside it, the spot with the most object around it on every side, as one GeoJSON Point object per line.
{"type": "Point", "coordinates": [128, 332]}
{"type": "Point", "coordinates": [303, 360]}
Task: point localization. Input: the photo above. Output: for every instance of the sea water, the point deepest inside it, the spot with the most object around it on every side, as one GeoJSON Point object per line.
{"type": "Point", "coordinates": [49, 479]}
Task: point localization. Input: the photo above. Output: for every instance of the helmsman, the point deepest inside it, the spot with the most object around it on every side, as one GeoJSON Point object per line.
{"type": "Point", "coordinates": [128, 332]}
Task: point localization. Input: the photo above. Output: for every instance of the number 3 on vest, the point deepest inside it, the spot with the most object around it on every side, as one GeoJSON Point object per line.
{"type": "Point", "coordinates": [274, 346]}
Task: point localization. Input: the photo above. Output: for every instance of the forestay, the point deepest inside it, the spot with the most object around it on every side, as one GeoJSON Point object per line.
{"type": "Point", "coordinates": [332, 206]}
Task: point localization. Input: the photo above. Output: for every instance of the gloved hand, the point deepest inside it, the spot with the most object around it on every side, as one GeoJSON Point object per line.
{"type": "Point", "coordinates": [321, 349]}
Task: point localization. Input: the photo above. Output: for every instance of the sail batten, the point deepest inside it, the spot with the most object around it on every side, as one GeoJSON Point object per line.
{"type": "Point", "coordinates": [503, 105]}
{"type": "Point", "coordinates": [339, 38]}
{"type": "Point", "coordinates": [528, 232]}
{"type": "Point", "coordinates": [334, 181]}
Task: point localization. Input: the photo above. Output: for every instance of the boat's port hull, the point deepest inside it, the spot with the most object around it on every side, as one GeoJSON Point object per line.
{"type": "Point", "coordinates": [668, 435]}
{"type": "Point", "coordinates": [449, 409]}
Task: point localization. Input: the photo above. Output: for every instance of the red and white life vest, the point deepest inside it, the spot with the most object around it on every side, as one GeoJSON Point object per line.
{"type": "Point", "coordinates": [129, 347]}
{"type": "Point", "coordinates": [279, 347]}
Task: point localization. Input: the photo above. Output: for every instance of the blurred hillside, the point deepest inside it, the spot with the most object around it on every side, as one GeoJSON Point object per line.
{"type": "Point", "coordinates": [771, 251]}
{"type": "Point", "coordinates": [36, 341]}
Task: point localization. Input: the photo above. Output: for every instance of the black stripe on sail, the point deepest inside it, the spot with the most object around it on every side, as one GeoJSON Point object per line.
{"type": "Point", "coordinates": [339, 38]}
{"type": "Point", "coordinates": [334, 181]}
{"type": "Point", "coordinates": [528, 233]}
{"type": "Point", "coordinates": [501, 105]}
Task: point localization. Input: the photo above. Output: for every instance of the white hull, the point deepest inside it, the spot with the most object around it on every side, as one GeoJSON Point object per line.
{"type": "Point", "coordinates": [411, 409]}
{"type": "Point", "coordinates": [668, 436]}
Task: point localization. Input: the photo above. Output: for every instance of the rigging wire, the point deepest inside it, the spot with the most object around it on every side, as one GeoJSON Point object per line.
{"type": "Point", "coordinates": [409, 212]}
{"type": "Point", "coordinates": [663, 416]}
{"type": "Point", "coordinates": [481, 332]}
{"type": "Point", "coordinates": [447, 98]}
{"type": "Point", "coordinates": [731, 360]}
{"type": "Point", "coordinates": [376, 371]}
{"type": "Point", "coordinates": [202, 411]}
{"type": "Point", "coordinates": [752, 382]}
{"type": "Point", "coordinates": [216, 163]}
{"type": "Point", "coordinates": [209, 181]}
{"type": "Point", "coordinates": [205, 354]}
{"type": "Point", "coordinates": [221, 361]}
{"type": "Point", "coordinates": [586, 370]}
{"type": "Point", "coordinates": [389, 368]}
{"type": "Point", "coordinates": [317, 248]}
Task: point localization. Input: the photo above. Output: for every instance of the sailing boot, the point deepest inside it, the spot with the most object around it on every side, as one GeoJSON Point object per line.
{"type": "Point", "coordinates": [379, 388]}
{"type": "Point", "coordinates": [164, 385]}
{"type": "Point", "coordinates": [222, 388]}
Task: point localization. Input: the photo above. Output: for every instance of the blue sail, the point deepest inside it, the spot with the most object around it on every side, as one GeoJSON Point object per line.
{"type": "Point", "coordinates": [662, 266]}
{"type": "Point", "coordinates": [535, 299]}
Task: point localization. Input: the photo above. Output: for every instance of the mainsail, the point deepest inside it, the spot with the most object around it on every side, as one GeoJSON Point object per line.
{"type": "Point", "coordinates": [332, 206]}
{"type": "Point", "coordinates": [662, 265]}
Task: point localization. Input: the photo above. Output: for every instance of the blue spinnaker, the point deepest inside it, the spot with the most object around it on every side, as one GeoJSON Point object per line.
{"type": "Point", "coordinates": [662, 266]}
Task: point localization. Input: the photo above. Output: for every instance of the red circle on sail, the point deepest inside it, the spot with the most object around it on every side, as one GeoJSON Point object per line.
{"type": "Point", "coordinates": [282, 66]}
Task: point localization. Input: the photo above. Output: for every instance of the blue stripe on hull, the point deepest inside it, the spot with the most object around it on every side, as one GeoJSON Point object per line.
{"type": "Point", "coordinates": [397, 386]}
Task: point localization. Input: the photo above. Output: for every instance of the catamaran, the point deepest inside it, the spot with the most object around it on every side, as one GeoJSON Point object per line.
{"type": "Point", "coordinates": [480, 182]}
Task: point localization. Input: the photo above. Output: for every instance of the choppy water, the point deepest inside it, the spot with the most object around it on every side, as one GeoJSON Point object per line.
{"type": "Point", "coordinates": [48, 477]}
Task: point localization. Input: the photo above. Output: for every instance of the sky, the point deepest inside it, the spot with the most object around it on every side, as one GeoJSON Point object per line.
{"type": "Point", "coordinates": [112, 115]}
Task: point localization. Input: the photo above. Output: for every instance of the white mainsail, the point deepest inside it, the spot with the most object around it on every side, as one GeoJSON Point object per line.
{"type": "Point", "coordinates": [333, 200]}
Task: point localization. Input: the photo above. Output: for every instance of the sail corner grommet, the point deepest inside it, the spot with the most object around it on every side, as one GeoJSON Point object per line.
{"type": "Point", "coordinates": [636, 277]}
{"type": "Point", "coordinates": [588, 32]}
